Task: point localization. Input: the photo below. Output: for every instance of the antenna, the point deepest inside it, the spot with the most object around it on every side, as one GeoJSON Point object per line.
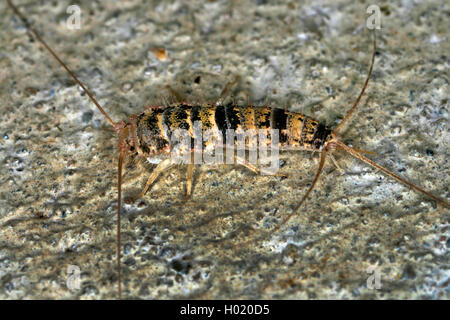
{"type": "Point", "coordinates": [117, 127]}
{"type": "Point", "coordinates": [29, 27]}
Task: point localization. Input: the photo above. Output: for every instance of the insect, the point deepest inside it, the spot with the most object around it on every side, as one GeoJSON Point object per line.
{"type": "Point", "coordinates": [147, 134]}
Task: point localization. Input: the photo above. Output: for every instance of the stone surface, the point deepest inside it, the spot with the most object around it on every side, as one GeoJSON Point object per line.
{"type": "Point", "coordinates": [58, 155]}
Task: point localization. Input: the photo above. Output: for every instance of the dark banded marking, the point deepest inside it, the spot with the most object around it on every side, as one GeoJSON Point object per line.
{"type": "Point", "coordinates": [220, 118]}
{"type": "Point", "coordinates": [232, 116]}
{"type": "Point", "coordinates": [195, 114]}
{"type": "Point", "coordinates": [140, 117]}
{"type": "Point", "coordinates": [181, 118]}
{"type": "Point", "coordinates": [167, 121]}
{"type": "Point", "coordinates": [279, 119]}
{"type": "Point", "coordinates": [141, 129]}
{"type": "Point", "coordinates": [321, 135]}
{"type": "Point", "coordinates": [195, 121]}
{"type": "Point", "coordinates": [151, 121]}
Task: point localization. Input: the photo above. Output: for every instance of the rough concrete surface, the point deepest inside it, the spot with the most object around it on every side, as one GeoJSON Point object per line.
{"type": "Point", "coordinates": [58, 190]}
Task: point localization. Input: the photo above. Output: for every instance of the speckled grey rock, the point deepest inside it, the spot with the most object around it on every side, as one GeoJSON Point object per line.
{"type": "Point", "coordinates": [59, 162]}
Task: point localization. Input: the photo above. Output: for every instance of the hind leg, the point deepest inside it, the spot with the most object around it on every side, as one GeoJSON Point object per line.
{"type": "Point", "coordinates": [258, 170]}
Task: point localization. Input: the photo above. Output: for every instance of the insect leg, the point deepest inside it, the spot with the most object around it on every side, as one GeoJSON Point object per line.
{"type": "Point", "coordinates": [365, 151]}
{"type": "Point", "coordinates": [286, 219]}
{"type": "Point", "coordinates": [316, 177]}
{"type": "Point", "coordinates": [333, 159]}
{"type": "Point", "coordinates": [257, 170]}
{"type": "Point", "coordinates": [174, 93]}
{"type": "Point", "coordinates": [190, 172]}
{"type": "Point", "coordinates": [160, 168]}
{"type": "Point", "coordinates": [226, 90]}
{"type": "Point", "coordinates": [249, 166]}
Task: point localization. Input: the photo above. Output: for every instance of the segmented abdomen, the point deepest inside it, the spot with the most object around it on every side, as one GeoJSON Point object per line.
{"type": "Point", "coordinates": [155, 125]}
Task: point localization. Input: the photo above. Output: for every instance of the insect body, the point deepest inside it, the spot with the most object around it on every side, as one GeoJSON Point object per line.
{"type": "Point", "coordinates": [149, 135]}
{"type": "Point", "coordinates": [149, 132]}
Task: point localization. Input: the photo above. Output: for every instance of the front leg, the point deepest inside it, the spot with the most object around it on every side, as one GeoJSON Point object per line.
{"type": "Point", "coordinates": [189, 176]}
{"type": "Point", "coordinates": [160, 168]}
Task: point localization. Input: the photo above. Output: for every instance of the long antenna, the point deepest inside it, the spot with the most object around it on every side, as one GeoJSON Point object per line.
{"type": "Point", "coordinates": [116, 126]}
{"type": "Point", "coordinates": [29, 27]}
{"type": "Point", "coordinates": [121, 155]}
